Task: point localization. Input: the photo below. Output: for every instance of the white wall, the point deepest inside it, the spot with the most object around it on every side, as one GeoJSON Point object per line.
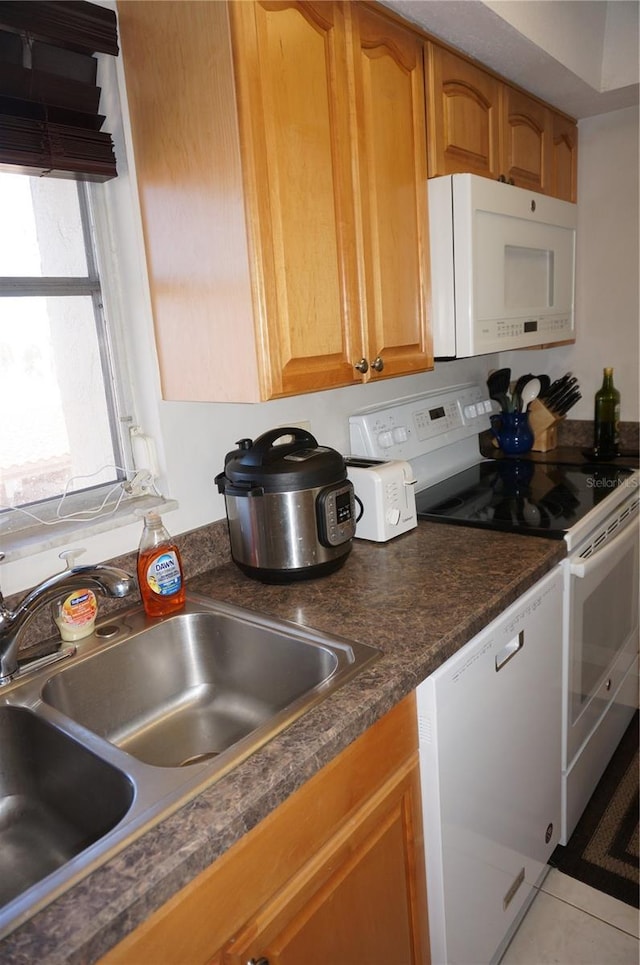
{"type": "Point", "coordinates": [556, 34]}
{"type": "Point", "coordinates": [607, 305]}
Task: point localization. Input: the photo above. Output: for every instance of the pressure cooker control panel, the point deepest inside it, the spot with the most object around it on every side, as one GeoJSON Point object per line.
{"type": "Point", "coordinates": [335, 508]}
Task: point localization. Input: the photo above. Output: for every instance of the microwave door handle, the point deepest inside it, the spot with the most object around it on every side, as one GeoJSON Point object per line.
{"type": "Point", "coordinates": [582, 568]}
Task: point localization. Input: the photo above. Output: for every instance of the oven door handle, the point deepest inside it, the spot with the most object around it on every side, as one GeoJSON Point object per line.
{"type": "Point", "coordinates": [582, 568]}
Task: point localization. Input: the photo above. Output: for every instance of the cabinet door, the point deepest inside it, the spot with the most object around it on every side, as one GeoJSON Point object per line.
{"type": "Point", "coordinates": [358, 900]}
{"type": "Point", "coordinates": [290, 62]}
{"type": "Point", "coordinates": [464, 114]}
{"type": "Point", "coordinates": [564, 166]}
{"type": "Point", "coordinates": [527, 135]}
{"type": "Point", "coordinates": [180, 88]}
{"type": "Point", "coordinates": [392, 189]}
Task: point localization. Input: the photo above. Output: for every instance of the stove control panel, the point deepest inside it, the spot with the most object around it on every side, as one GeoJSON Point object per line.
{"type": "Point", "coordinates": [416, 425]}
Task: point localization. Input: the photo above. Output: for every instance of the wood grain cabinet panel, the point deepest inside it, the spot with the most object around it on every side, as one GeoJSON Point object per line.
{"type": "Point", "coordinates": [464, 116]}
{"type": "Point", "coordinates": [334, 875]}
{"type": "Point", "coordinates": [527, 134]}
{"type": "Point", "coordinates": [292, 76]}
{"type": "Point", "coordinates": [355, 902]}
{"type": "Point", "coordinates": [392, 175]}
{"type": "Point", "coordinates": [479, 124]}
{"type": "Point", "coordinates": [564, 168]}
{"type": "Point", "coordinates": [246, 139]}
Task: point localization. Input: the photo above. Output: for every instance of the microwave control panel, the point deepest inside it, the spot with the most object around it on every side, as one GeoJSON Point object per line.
{"type": "Point", "coordinates": [503, 334]}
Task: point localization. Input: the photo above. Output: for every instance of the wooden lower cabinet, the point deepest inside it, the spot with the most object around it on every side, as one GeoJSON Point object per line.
{"type": "Point", "coordinates": [334, 875]}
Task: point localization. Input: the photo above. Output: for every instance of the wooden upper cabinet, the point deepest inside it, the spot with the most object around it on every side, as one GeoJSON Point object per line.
{"type": "Point", "coordinates": [392, 175]}
{"type": "Point", "coordinates": [291, 71]}
{"type": "Point", "coordinates": [479, 124]}
{"type": "Point", "coordinates": [564, 168]}
{"type": "Point", "coordinates": [246, 133]}
{"type": "Point", "coordinates": [527, 134]}
{"type": "Point", "coordinates": [464, 116]}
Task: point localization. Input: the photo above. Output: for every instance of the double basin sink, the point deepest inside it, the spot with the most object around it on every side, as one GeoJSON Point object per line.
{"type": "Point", "coordinates": [145, 715]}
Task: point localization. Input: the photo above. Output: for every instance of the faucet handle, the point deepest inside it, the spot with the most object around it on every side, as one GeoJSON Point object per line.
{"type": "Point", "coordinates": [70, 556]}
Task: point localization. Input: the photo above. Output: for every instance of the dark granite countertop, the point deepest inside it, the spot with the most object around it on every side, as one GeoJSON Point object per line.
{"type": "Point", "coordinates": [419, 598]}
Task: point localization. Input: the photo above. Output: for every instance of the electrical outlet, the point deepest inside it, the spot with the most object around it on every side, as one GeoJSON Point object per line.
{"type": "Point", "coordinates": [141, 484]}
{"type": "Point", "coordinates": [296, 424]}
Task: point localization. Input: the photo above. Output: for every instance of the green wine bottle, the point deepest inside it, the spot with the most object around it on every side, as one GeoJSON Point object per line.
{"type": "Point", "coordinates": [606, 422]}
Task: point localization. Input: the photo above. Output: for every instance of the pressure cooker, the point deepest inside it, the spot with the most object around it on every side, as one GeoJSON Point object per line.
{"type": "Point", "coordinates": [290, 506]}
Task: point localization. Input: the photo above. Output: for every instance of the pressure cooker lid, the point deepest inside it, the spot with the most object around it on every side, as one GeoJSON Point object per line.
{"type": "Point", "coordinates": [298, 463]}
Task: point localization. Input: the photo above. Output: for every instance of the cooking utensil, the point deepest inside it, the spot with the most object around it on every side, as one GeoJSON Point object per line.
{"type": "Point", "coordinates": [498, 385]}
{"type": "Point", "coordinates": [569, 402]}
{"type": "Point", "coordinates": [556, 389]}
{"type": "Point", "coordinates": [545, 382]}
{"type": "Point", "coordinates": [530, 391]}
{"type": "Point", "coordinates": [517, 390]}
{"type": "Point", "coordinates": [556, 402]}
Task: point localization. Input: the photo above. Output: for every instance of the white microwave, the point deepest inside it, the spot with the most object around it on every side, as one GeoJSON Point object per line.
{"type": "Point", "coordinates": [502, 266]}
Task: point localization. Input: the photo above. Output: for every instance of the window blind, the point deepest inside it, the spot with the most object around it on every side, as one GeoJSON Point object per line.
{"type": "Point", "coordinates": [49, 98]}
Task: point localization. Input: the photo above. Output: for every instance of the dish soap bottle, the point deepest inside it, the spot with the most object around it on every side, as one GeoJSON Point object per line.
{"type": "Point", "coordinates": [159, 570]}
{"type": "Point", "coordinates": [606, 420]}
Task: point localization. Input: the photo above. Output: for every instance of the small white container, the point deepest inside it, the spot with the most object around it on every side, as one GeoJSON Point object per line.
{"type": "Point", "coordinates": [76, 615]}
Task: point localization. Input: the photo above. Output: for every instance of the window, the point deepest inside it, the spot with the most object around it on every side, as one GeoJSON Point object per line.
{"type": "Point", "coordinates": [59, 391]}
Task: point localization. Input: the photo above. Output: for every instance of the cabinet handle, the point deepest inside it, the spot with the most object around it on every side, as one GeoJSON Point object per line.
{"type": "Point", "coordinates": [362, 366]}
{"type": "Point", "coordinates": [378, 364]}
{"type": "Point", "coordinates": [258, 961]}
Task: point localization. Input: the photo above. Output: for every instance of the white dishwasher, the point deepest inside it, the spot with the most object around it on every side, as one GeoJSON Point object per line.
{"type": "Point", "coordinates": [490, 758]}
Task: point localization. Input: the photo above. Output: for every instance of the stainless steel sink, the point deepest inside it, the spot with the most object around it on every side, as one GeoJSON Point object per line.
{"type": "Point", "coordinates": [56, 799]}
{"type": "Point", "coordinates": [185, 690]}
{"type": "Point", "coordinates": [144, 717]}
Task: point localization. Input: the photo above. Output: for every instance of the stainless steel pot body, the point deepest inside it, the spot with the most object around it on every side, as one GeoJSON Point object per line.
{"type": "Point", "coordinates": [277, 537]}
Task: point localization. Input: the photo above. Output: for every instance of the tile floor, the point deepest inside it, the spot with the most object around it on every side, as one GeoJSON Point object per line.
{"type": "Point", "coordinates": [570, 923]}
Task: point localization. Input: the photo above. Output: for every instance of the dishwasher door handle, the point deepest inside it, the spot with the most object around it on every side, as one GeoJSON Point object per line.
{"type": "Point", "coordinates": [509, 650]}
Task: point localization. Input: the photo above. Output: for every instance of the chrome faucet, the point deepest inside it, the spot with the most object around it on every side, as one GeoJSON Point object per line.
{"type": "Point", "coordinates": [108, 580]}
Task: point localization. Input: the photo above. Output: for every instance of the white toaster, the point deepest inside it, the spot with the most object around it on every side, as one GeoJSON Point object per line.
{"type": "Point", "coordinates": [386, 494]}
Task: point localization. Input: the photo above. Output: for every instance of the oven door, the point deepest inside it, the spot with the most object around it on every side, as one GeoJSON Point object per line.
{"type": "Point", "coordinates": [601, 625]}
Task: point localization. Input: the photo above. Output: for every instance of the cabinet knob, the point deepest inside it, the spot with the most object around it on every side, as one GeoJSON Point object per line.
{"type": "Point", "coordinates": [258, 961]}
{"type": "Point", "coordinates": [378, 364]}
{"type": "Point", "coordinates": [362, 366]}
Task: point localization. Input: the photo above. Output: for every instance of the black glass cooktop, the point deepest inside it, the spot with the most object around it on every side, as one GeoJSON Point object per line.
{"type": "Point", "coordinates": [517, 495]}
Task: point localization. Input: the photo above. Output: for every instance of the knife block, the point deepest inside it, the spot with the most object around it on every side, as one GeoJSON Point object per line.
{"type": "Point", "coordinates": [544, 425]}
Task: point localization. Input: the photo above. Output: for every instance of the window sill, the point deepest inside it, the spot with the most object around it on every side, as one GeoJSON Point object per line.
{"type": "Point", "coordinates": [21, 537]}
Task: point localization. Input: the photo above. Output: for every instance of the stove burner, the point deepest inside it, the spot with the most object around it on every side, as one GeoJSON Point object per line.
{"type": "Point", "coordinates": [520, 495]}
